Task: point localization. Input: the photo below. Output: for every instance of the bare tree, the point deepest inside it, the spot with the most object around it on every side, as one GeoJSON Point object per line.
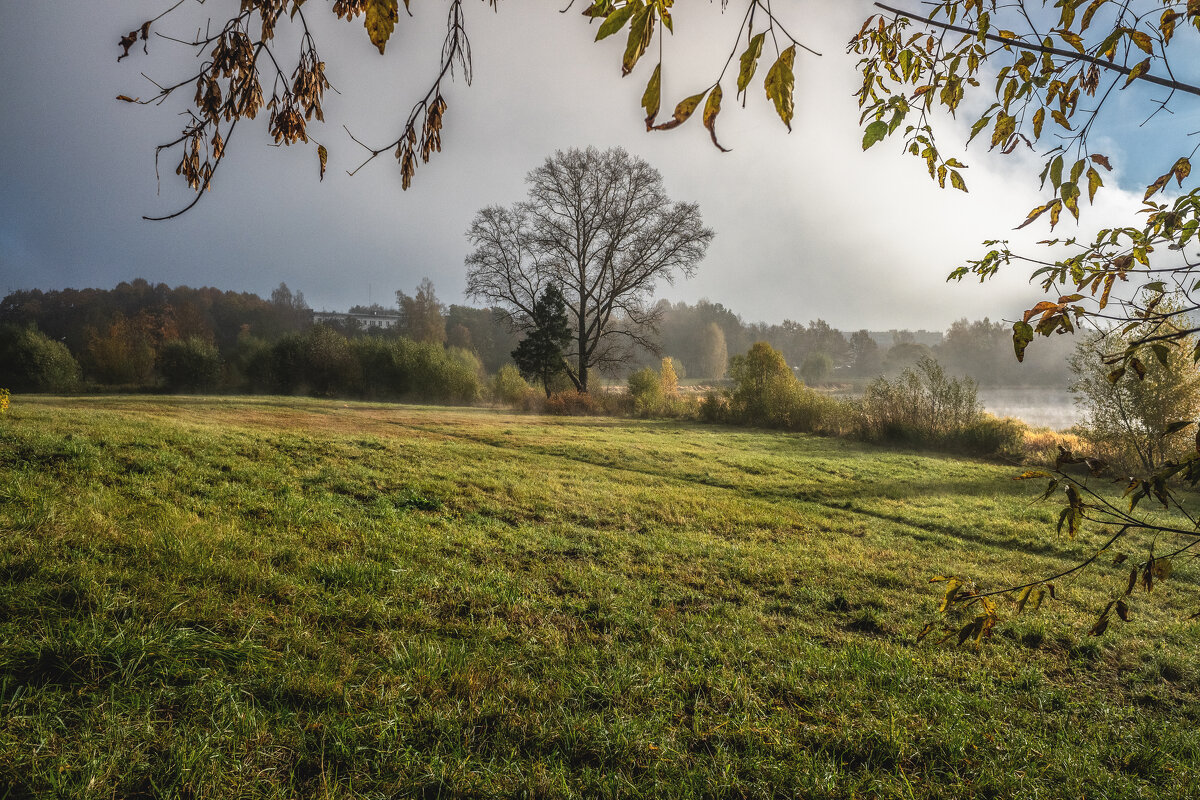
{"type": "Point", "coordinates": [424, 316]}
{"type": "Point", "coordinates": [599, 226]}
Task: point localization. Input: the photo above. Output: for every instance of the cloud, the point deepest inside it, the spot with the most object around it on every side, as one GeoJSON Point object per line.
{"type": "Point", "coordinates": [807, 225]}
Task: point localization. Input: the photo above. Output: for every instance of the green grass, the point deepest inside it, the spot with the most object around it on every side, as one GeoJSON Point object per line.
{"type": "Point", "coordinates": [279, 598]}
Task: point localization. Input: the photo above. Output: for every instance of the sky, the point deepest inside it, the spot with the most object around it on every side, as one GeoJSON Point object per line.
{"type": "Point", "coordinates": [807, 225]}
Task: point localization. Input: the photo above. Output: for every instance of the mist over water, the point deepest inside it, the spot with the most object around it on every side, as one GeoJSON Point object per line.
{"type": "Point", "coordinates": [1037, 406]}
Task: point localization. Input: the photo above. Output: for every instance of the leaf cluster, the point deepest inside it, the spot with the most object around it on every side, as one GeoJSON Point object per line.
{"type": "Point", "coordinates": [242, 72]}
{"type": "Point", "coordinates": [643, 19]}
{"type": "Point", "coordinates": [1053, 79]}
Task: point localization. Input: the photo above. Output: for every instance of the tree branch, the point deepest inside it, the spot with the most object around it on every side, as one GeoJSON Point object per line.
{"type": "Point", "coordinates": [1071, 54]}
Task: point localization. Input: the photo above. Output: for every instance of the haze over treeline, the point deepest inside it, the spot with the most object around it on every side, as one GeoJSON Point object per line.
{"type": "Point", "coordinates": [133, 334]}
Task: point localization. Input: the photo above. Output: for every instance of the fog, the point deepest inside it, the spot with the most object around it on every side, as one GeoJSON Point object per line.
{"type": "Point", "coordinates": [808, 226]}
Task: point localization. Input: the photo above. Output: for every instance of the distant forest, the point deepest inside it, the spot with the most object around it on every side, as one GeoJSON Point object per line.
{"type": "Point", "coordinates": [143, 336]}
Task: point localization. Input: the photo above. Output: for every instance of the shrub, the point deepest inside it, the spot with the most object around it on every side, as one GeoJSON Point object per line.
{"type": "Point", "coordinates": [1129, 419]}
{"type": "Point", "coordinates": [573, 404]}
{"type": "Point", "coordinates": [508, 386]}
{"type": "Point", "coordinates": [922, 405]}
{"type": "Point", "coordinates": [123, 354]}
{"type": "Point", "coordinates": [286, 365]}
{"type": "Point", "coordinates": [190, 364]}
{"type": "Point", "coordinates": [646, 390]}
{"type": "Point", "coordinates": [402, 368]}
{"type": "Point", "coordinates": [714, 408]}
{"type": "Point", "coordinates": [330, 367]}
{"type": "Point", "coordinates": [441, 374]}
{"type": "Point", "coordinates": [992, 436]}
{"type": "Point", "coordinates": [817, 368]}
{"type": "Point", "coordinates": [249, 364]}
{"type": "Point", "coordinates": [767, 393]}
{"type": "Point", "coordinates": [33, 362]}
{"type": "Point", "coordinates": [1041, 445]}
{"type": "Point", "coordinates": [613, 404]}
{"type": "Point", "coordinates": [759, 378]}
{"type": "Point", "coordinates": [382, 366]}
{"type": "Point", "coordinates": [4, 401]}
{"type": "Point", "coordinates": [668, 379]}
{"type": "Point", "coordinates": [325, 362]}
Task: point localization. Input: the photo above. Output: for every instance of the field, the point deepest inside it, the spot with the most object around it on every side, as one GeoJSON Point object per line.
{"type": "Point", "coordinates": [223, 598]}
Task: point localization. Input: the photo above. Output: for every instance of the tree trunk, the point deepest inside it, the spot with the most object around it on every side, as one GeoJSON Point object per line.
{"type": "Point", "coordinates": [582, 383]}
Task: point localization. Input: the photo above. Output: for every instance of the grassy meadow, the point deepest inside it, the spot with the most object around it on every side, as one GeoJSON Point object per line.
{"type": "Point", "coordinates": [277, 598]}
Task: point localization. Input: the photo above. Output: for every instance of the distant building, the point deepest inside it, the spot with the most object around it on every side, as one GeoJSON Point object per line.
{"type": "Point", "coordinates": [365, 321]}
{"type": "Point", "coordinates": [886, 339]}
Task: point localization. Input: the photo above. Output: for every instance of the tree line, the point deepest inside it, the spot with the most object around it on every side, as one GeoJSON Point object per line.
{"type": "Point", "coordinates": [139, 335]}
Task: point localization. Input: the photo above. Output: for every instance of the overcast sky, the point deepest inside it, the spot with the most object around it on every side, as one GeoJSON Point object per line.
{"type": "Point", "coordinates": [807, 224]}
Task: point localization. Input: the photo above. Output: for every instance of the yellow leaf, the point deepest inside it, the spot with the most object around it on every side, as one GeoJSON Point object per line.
{"type": "Point", "coordinates": [1070, 196]}
{"type": "Point", "coordinates": [1139, 69]}
{"type": "Point", "coordinates": [616, 20]}
{"type": "Point", "coordinates": [749, 62]}
{"type": "Point", "coordinates": [711, 109]}
{"type": "Point", "coordinates": [1071, 38]}
{"type": "Point", "coordinates": [1037, 212]}
{"type": "Point", "coordinates": [1158, 184]}
{"type": "Point", "coordinates": [380, 21]}
{"type": "Point", "coordinates": [1181, 170]}
{"type": "Point", "coordinates": [685, 109]}
{"type": "Point", "coordinates": [641, 31]}
{"type": "Point", "coordinates": [652, 97]}
{"type": "Point", "coordinates": [1142, 40]}
{"type": "Point", "coordinates": [1108, 284]}
{"type": "Point", "coordinates": [780, 84]}
{"type": "Point", "coordinates": [1094, 183]}
{"type": "Point", "coordinates": [1166, 25]}
{"type": "Point", "coordinates": [1087, 15]}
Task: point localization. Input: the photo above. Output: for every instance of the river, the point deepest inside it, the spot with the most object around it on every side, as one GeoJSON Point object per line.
{"type": "Point", "coordinates": [1037, 406]}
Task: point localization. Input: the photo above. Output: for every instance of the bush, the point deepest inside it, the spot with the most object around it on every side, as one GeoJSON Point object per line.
{"type": "Point", "coordinates": [613, 404]}
{"type": "Point", "coordinates": [714, 408]}
{"type": "Point", "coordinates": [190, 364]}
{"type": "Point", "coordinates": [668, 379]}
{"type": "Point", "coordinates": [33, 362]}
{"type": "Point", "coordinates": [123, 354]}
{"type": "Point", "coordinates": [330, 367]}
{"type": "Point", "coordinates": [817, 368]}
{"type": "Point", "coordinates": [759, 376]}
{"type": "Point", "coordinates": [404, 369]}
{"type": "Point", "coordinates": [509, 387]}
{"type": "Point", "coordinates": [440, 374]}
{"type": "Point", "coordinates": [1041, 446]}
{"type": "Point", "coordinates": [4, 401]}
{"type": "Point", "coordinates": [381, 364]}
{"type": "Point", "coordinates": [1129, 419]}
{"type": "Point", "coordinates": [992, 436]}
{"type": "Point", "coordinates": [286, 365]}
{"type": "Point", "coordinates": [767, 393]}
{"type": "Point", "coordinates": [572, 404]}
{"type": "Point", "coordinates": [646, 390]}
{"type": "Point", "coordinates": [249, 365]}
{"type": "Point", "coordinates": [921, 406]}
{"type": "Point", "coordinates": [325, 362]}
